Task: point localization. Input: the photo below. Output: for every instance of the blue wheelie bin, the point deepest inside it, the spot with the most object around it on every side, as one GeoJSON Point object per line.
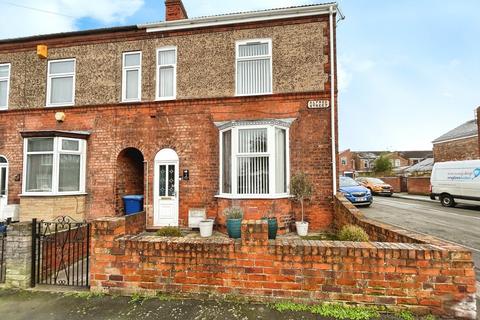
{"type": "Point", "coordinates": [133, 204]}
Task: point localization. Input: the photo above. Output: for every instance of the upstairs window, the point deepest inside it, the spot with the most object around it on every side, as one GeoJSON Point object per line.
{"type": "Point", "coordinates": [166, 73]}
{"type": "Point", "coordinates": [54, 165]}
{"type": "Point", "coordinates": [61, 83]}
{"type": "Point", "coordinates": [4, 85]}
{"type": "Point", "coordinates": [254, 161]}
{"type": "Point", "coordinates": [254, 67]}
{"type": "Point", "coordinates": [132, 76]}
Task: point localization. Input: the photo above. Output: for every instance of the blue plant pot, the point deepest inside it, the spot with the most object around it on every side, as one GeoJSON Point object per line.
{"type": "Point", "coordinates": [234, 228]}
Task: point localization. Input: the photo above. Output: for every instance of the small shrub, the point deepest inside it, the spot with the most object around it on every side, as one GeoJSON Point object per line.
{"type": "Point", "coordinates": [169, 232]}
{"type": "Point", "coordinates": [233, 213]}
{"type": "Point", "coordinates": [405, 315]}
{"type": "Point", "coordinates": [352, 233]}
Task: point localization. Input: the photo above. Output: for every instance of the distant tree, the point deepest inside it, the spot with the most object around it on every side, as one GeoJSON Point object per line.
{"type": "Point", "coordinates": [382, 164]}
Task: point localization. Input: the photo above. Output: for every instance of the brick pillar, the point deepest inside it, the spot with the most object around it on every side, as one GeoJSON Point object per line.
{"type": "Point", "coordinates": [18, 255]}
{"type": "Point", "coordinates": [255, 232]}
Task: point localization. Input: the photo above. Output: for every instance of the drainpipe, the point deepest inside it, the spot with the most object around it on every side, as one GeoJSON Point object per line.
{"type": "Point", "coordinates": [332, 103]}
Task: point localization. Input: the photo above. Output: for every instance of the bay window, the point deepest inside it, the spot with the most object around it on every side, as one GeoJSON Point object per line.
{"type": "Point", "coordinates": [61, 83]}
{"type": "Point", "coordinates": [254, 159]}
{"type": "Point", "coordinates": [54, 165]}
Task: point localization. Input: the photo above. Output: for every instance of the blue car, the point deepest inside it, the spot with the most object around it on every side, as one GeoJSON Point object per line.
{"type": "Point", "coordinates": [355, 192]}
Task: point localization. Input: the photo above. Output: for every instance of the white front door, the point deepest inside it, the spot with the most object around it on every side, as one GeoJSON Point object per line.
{"type": "Point", "coordinates": [166, 189]}
{"type": "Point", "coordinates": [3, 188]}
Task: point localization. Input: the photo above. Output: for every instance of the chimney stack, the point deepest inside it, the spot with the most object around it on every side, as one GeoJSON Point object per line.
{"type": "Point", "coordinates": [174, 10]}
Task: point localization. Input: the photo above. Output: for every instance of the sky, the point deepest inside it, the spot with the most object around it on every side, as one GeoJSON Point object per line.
{"type": "Point", "coordinates": [408, 70]}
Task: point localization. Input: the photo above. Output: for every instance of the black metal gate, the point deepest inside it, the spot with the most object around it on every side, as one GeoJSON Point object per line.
{"type": "Point", "coordinates": [60, 252]}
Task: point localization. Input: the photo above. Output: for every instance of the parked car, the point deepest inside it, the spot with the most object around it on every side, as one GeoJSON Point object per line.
{"type": "Point", "coordinates": [454, 181]}
{"type": "Point", "coordinates": [355, 192]}
{"type": "Point", "coordinates": [376, 186]}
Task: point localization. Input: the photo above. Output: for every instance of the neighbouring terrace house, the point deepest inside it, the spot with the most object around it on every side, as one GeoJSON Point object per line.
{"type": "Point", "coordinates": [195, 114]}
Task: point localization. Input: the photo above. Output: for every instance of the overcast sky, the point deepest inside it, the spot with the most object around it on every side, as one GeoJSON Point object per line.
{"type": "Point", "coordinates": [409, 70]}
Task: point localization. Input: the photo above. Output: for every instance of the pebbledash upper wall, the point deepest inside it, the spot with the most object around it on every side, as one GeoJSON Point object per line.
{"type": "Point", "coordinates": [205, 65]}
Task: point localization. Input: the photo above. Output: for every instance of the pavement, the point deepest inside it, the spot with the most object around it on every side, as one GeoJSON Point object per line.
{"type": "Point", "coordinates": [27, 305]}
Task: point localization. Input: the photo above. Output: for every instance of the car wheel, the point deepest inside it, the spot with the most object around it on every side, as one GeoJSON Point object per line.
{"type": "Point", "coordinates": [447, 200]}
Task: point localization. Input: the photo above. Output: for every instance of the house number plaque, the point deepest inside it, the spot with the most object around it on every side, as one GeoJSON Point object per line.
{"type": "Point", "coordinates": [318, 104]}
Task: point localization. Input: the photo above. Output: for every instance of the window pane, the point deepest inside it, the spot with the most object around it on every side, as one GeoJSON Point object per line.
{"type": "Point", "coordinates": [254, 77]}
{"type": "Point", "coordinates": [62, 67]}
{"type": "Point", "coordinates": [70, 145]}
{"type": "Point", "coordinates": [162, 178]}
{"type": "Point", "coordinates": [39, 173]}
{"type": "Point", "coordinates": [61, 90]}
{"type": "Point", "coordinates": [40, 144]}
{"type": "Point", "coordinates": [167, 57]}
{"type": "Point", "coordinates": [3, 160]}
{"type": "Point", "coordinates": [171, 180]}
{"type": "Point", "coordinates": [69, 173]}
{"type": "Point", "coordinates": [3, 93]}
{"type": "Point", "coordinates": [280, 161]}
{"type": "Point", "coordinates": [253, 49]}
{"type": "Point", "coordinates": [132, 60]}
{"type": "Point", "coordinates": [4, 71]}
{"type": "Point", "coordinates": [252, 140]}
{"type": "Point", "coordinates": [132, 84]}
{"type": "Point", "coordinates": [166, 75]}
{"type": "Point", "coordinates": [227, 161]}
{"type": "Point", "coordinates": [253, 175]}
{"type": "Point", "coordinates": [3, 181]}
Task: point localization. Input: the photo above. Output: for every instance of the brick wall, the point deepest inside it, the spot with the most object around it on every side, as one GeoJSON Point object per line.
{"type": "Point", "coordinates": [464, 149]}
{"type": "Point", "coordinates": [395, 182]}
{"type": "Point", "coordinates": [420, 277]}
{"type": "Point", "coordinates": [187, 126]}
{"type": "Point", "coordinates": [418, 185]}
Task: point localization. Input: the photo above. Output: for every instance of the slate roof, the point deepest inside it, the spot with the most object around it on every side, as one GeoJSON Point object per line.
{"type": "Point", "coordinates": [469, 128]}
{"type": "Point", "coordinates": [425, 165]}
{"type": "Point", "coordinates": [418, 154]}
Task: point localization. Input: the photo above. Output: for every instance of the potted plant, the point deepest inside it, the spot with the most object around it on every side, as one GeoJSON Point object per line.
{"type": "Point", "coordinates": [206, 228]}
{"type": "Point", "coordinates": [234, 222]}
{"type": "Point", "coordinates": [301, 189]}
{"type": "Point", "coordinates": [272, 223]}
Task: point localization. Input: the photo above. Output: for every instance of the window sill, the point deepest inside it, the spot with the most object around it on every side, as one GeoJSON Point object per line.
{"type": "Point", "coordinates": [253, 94]}
{"type": "Point", "coordinates": [60, 105]}
{"type": "Point", "coordinates": [70, 194]}
{"type": "Point", "coordinates": [253, 197]}
{"type": "Point", "coordinates": [166, 99]}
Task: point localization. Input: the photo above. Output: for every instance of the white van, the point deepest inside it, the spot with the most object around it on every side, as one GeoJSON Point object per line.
{"type": "Point", "coordinates": [456, 181]}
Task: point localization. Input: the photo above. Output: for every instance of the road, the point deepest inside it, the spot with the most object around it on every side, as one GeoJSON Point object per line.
{"type": "Point", "coordinates": [460, 225]}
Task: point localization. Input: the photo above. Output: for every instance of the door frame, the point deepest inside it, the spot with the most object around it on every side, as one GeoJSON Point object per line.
{"type": "Point", "coordinates": [3, 208]}
{"type": "Point", "coordinates": [167, 157]}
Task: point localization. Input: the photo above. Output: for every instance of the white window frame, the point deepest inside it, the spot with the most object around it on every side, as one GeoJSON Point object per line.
{"type": "Point", "coordinates": [238, 59]}
{"type": "Point", "coordinates": [272, 163]}
{"type": "Point", "coordinates": [343, 161]}
{"type": "Point", "coordinates": [57, 151]}
{"type": "Point", "coordinates": [158, 66]}
{"type": "Point", "coordinates": [124, 76]}
{"type": "Point", "coordinates": [61, 75]}
{"type": "Point", "coordinates": [7, 78]}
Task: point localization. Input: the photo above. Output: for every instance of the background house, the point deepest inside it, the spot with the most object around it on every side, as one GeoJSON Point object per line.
{"type": "Point", "coordinates": [460, 143]}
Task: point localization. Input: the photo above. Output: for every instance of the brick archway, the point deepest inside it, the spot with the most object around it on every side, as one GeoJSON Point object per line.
{"type": "Point", "coordinates": [129, 176]}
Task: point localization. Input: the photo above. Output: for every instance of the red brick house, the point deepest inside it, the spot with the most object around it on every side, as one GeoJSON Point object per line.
{"type": "Point", "coordinates": [195, 114]}
{"type": "Point", "coordinates": [460, 143]}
